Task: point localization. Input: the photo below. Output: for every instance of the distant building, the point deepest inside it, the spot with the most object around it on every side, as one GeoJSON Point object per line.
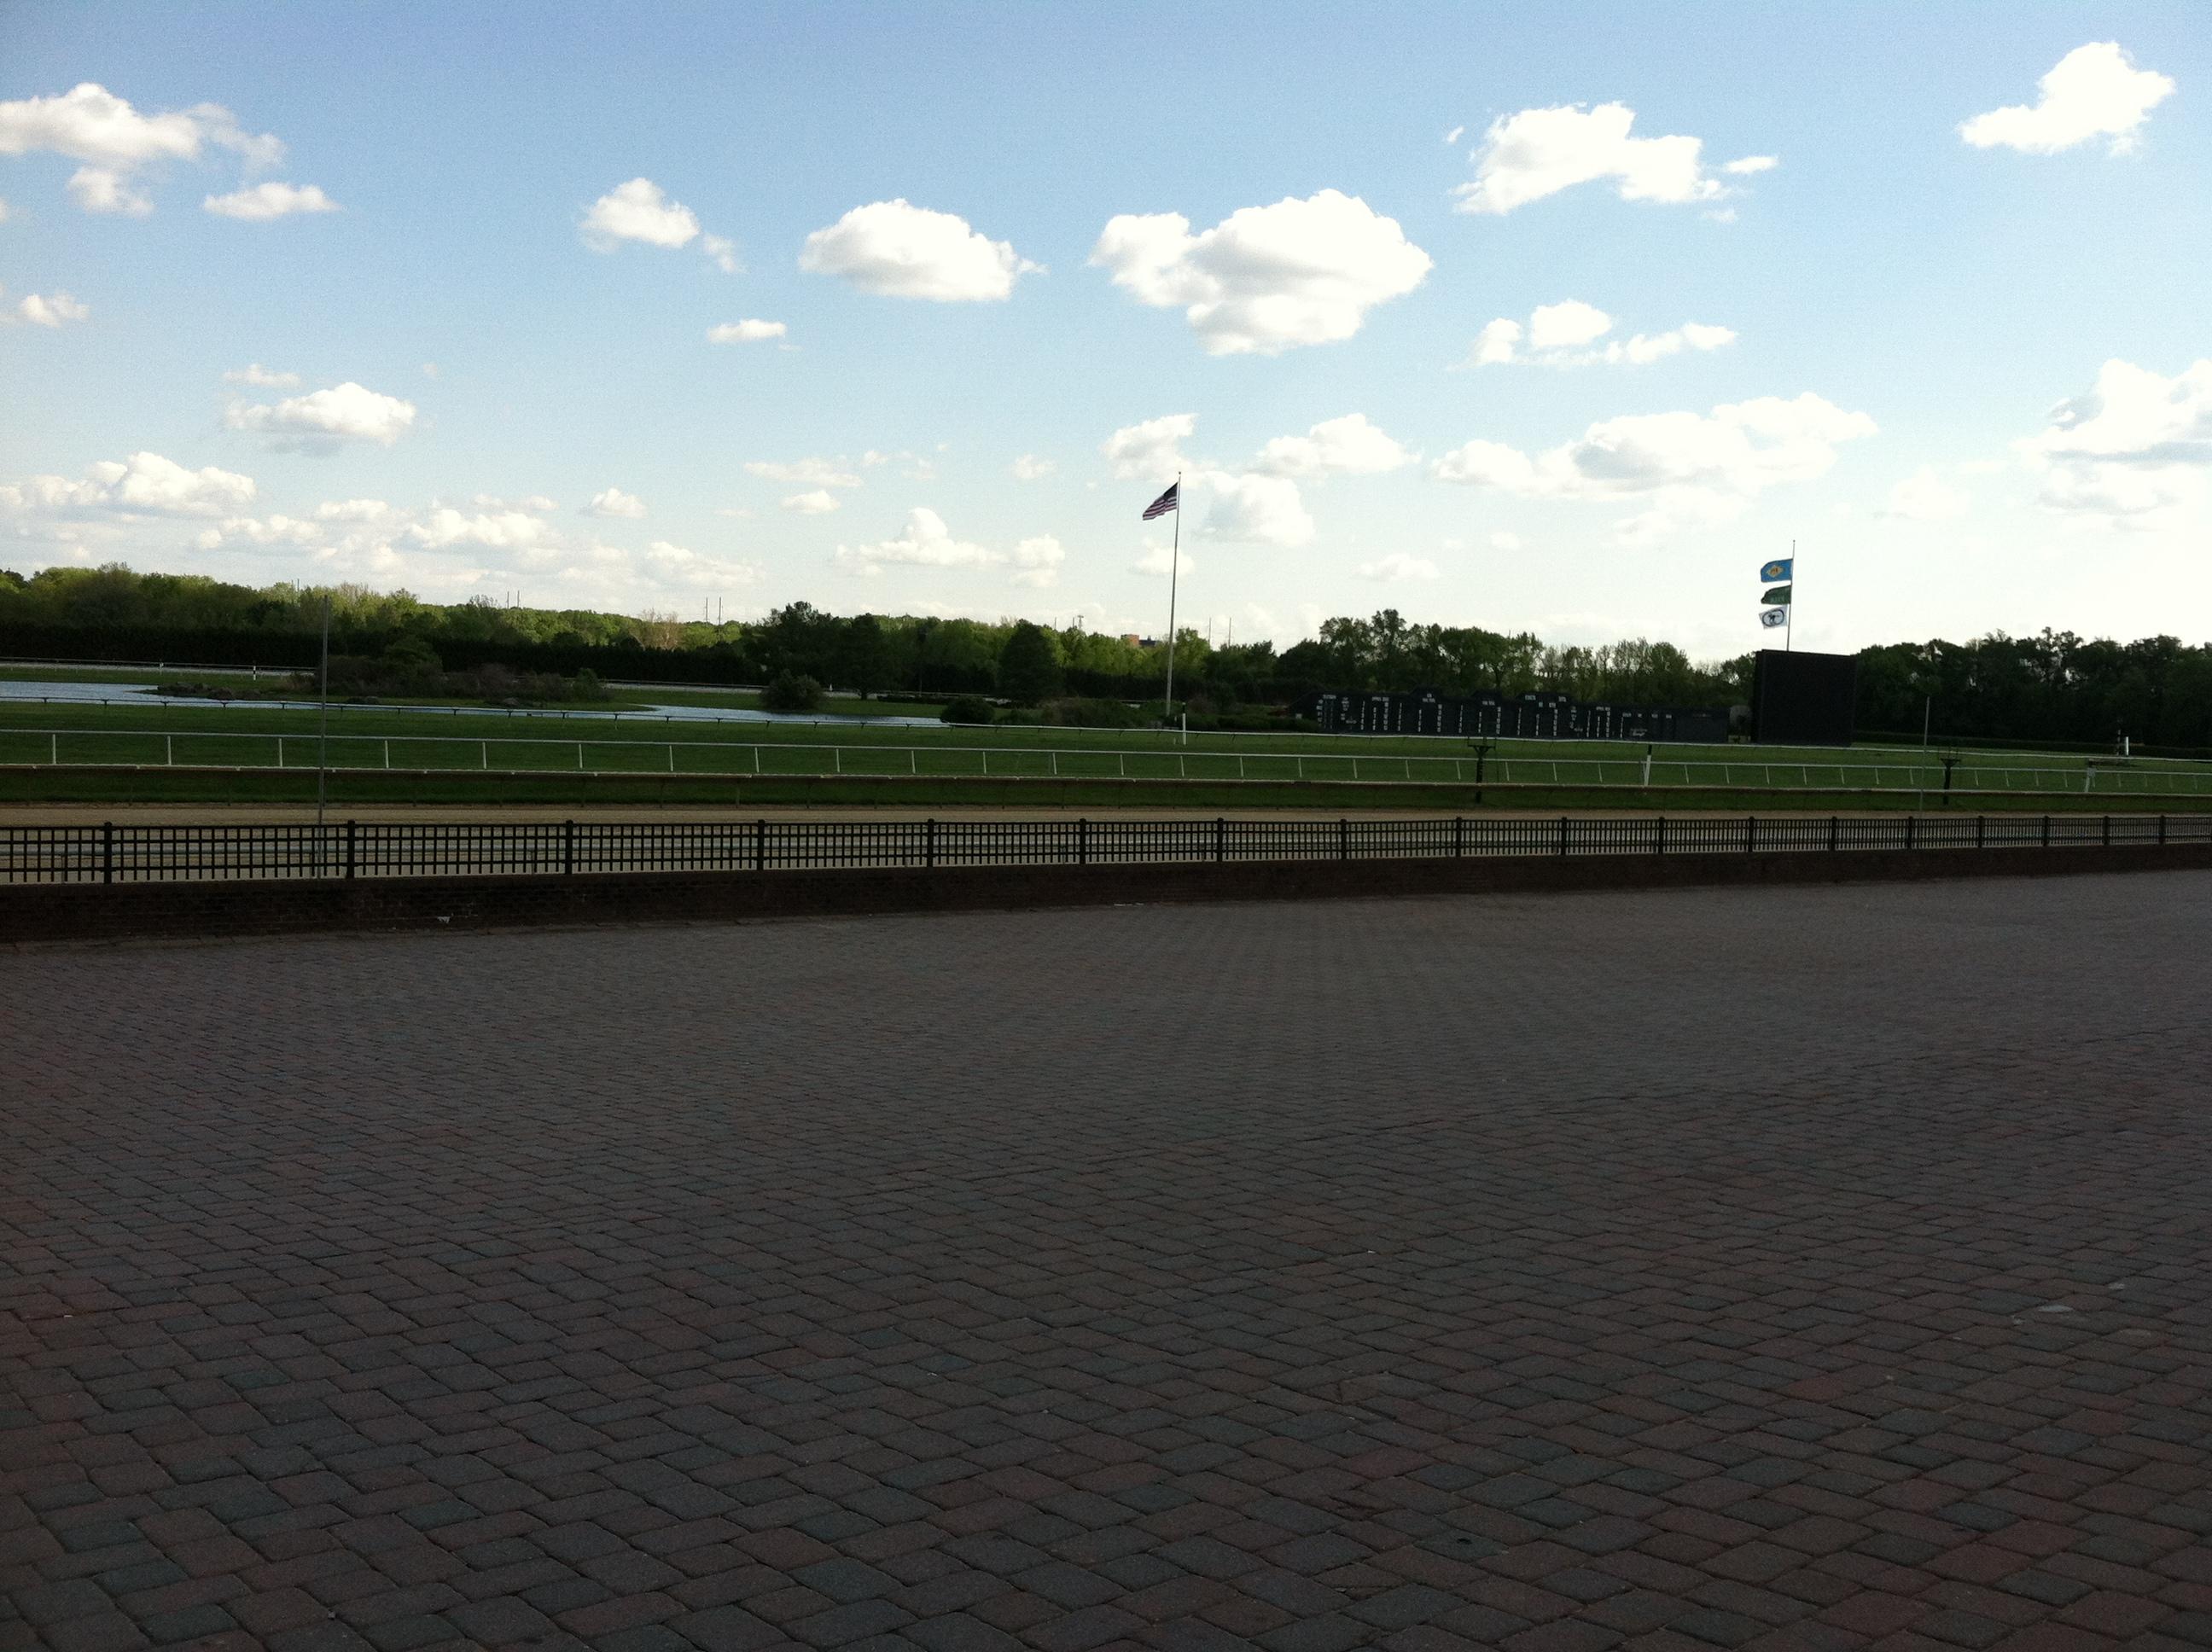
{"type": "Point", "coordinates": [1544, 715]}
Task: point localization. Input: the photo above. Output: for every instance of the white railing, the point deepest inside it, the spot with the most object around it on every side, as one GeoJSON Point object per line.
{"type": "Point", "coordinates": [541, 755]}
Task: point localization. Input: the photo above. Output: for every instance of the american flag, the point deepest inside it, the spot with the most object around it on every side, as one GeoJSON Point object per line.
{"type": "Point", "coordinates": [1164, 504]}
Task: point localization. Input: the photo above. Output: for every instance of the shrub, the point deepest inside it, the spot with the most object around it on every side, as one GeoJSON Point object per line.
{"type": "Point", "coordinates": [585, 685]}
{"type": "Point", "coordinates": [789, 691]}
{"type": "Point", "coordinates": [967, 709]}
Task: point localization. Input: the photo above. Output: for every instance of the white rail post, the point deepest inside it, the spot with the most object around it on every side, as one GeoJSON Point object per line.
{"type": "Point", "coordinates": [913, 762]}
{"type": "Point", "coordinates": [579, 756]}
{"type": "Point", "coordinates": [280, 751]}
{"type": "Point", "coordinates": [987, 760]}
{"type": "Point", "coordinates": [1055, 758]}
{"type": "Point", "coordinates": [388, 754]}
{"type": "Point", "coordinates": [483, 754]}
{"type": "Point", "coordinates": [169, 751]}
{"type": "Point", "coordinates": [837, 760]}
{"type": "Point", "coordinates": [56, 741]}
{"type": "Point", "coordinates": [672, 756]}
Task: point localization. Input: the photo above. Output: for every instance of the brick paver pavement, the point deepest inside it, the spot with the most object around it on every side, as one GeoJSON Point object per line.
{"type": "Point", "coordinates": [1804, 1267]}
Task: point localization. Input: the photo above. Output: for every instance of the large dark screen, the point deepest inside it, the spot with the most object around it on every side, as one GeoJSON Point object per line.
{"type": "Point", "coordinates": [1803, 699]}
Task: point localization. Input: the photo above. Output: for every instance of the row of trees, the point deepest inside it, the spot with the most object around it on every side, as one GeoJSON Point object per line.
{"type": "Point", "coordinates": [2053, 687]}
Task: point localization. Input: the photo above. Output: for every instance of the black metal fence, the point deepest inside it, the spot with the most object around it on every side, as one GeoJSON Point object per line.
{"type": "Point", "coordinates": [112, 853]}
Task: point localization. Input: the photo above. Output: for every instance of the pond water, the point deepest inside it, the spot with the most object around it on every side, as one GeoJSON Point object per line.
{"type": "Point", "coordinates": [142, 693]}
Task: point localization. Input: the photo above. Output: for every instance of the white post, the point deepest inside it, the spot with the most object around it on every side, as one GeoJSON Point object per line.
{"type": "Point", "coordinates": [483, 754]}
{"type": "Point", "coordinates": [169, 751]}
{"type": "Point", "coordinates": [388, 754]}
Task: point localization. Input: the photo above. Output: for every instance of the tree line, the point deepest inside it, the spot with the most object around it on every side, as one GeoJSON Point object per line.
{"type": "Point", "coordinates": [2052, 687]}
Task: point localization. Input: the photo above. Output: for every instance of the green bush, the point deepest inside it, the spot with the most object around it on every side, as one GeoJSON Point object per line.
{"type": "Point", "coordinates": [789, 691]}
{"type": "Point", "coordinates": [967, 709]}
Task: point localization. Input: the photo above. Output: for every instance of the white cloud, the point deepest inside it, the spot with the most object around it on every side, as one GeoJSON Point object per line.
{"type": "Point", "coordinates": [346, 412]}
{"type": "Point", "coordinates": [352, 510]}
{"type": "Point", "coordinates": [1565, 335]}
{"type": "Point", "coordinates": [613, 501]}
{"type": "Point", "coordinates": [1563, 325]}
{"type": "Point", "coordinates": [495, 530]}
{"type": "Point", "coordinates": [1540, 152]}
{"type": "Point", "coordinates": [261, 531]}
{"type": "Point", "coordinates": [1398, 568]}
{"type": "Point", "coordinates": [538, 503]}
{"type": "Point", "coordinates": [2135, 445]}
{"type": "Point", "coordinates": [1695, 469]}
{"type": "Point", "coordinates": [2094, 91]}
{"type": "Point", "coordinates": [1495, 345]}
{"type": "Point", "coordinates": [1924, 496]}
{"type": "Point", "coordinates": [1750, 164]}
{"type": "Point", "coordinates": [678, 565]}
{"type": "Point", "coordinates": [638, 211]}
{"type": "Point", "coordinates": [145, 484]}
{"type": "Point", "coordinates": [1037, 562]}
{"type": "Point", "coordinates": [1150, 452]}
{"type": "Point", "coordinates": [903, 251]}
{"type": "Point", "coordinates": [103, 189]}
{"type": "Point", "coordinates": [820, 502]}
{"type": "Point", "coordinates": [263, 377]}
{"type": "Point", "coordinates": [1343, 447]}
{"type": "Point", "coordinates": [722, 253]}
{"type": "Point", "coordinates": [50, 310]}
{"type": "Point", "coordinates": [1505, 542]}
{"type": "Point", "coordinates": [806, 472]}
{"type": "Point", "coordinates": [1266, 279]}
{"type": "Point", "coordinates": [1029, 468]}
{"type": "Point", "coordinates": [90, 123]}
{"type": "Point", "coordinates": [925, 541]}
{"type": "Point", "coordinates": [1159, 559]}
{"type": "Point", "coordinates": [263, 202]}
{"type": "Point", "coordinates": [1256, 510]}
{"type": "Point", "coordinates": [1455, 135]}
{"type": "Point", "coordinates": [748, 332]}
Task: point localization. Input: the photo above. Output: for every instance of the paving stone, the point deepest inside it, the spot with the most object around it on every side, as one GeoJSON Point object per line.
{"type": "Point", "coordinates": [1423, 1275]}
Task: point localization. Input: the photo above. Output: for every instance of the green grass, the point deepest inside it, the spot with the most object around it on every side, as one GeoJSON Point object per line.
{"type": "Point", "coordinates": [245, 735]}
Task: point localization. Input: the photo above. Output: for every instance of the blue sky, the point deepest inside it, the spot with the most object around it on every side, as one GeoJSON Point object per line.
{"type": "Point", "coordinates": [1963, 363]}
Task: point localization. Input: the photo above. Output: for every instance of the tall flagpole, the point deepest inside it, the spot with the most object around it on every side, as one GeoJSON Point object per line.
{"type": "Point", "coordinates": [1174, 572]}
{"type": "Point", "coordinates": [1790, 625]}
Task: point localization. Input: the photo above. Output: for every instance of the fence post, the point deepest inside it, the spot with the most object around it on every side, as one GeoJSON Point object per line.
{"type": "Point", "coordinates": [1563, 834]}
{"type": "Point", "coordinates": [2047, 831]}
{"type": "Point", "coordinates": [1083, 842]}
{"type": "Point", "coordinates": [2107, 841]}
{"type": "Point", "coordinates": [1981, 831]}
{"type": "Point", "coordinates": [929, 844]}
{"type": "Point", "coordinates": [568, 848]}
{"type": "Point", "coordinates": [1659, 837]}
{"type": "Point", "coordinates": [1911, 821]}
{"type": "Point", "coordinates": [1459, 837]}
{"type": "Point", "coordinates": [1343, 838]}
{"type": "Point", "coordinates": [1220, 840]}
{"type": "Point", "coordinates": [108, 852]}
{"type": "Point", "coordinates": [2161, 831]}
{"type": "Point", "coordinates": [1751, 834]}
{"type": "Point", "coordinates": [351, 833]}
{"type": "Point", "coordinates": [760, 846]}
{"type": "Point", "coordinates": [1835, 831]}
